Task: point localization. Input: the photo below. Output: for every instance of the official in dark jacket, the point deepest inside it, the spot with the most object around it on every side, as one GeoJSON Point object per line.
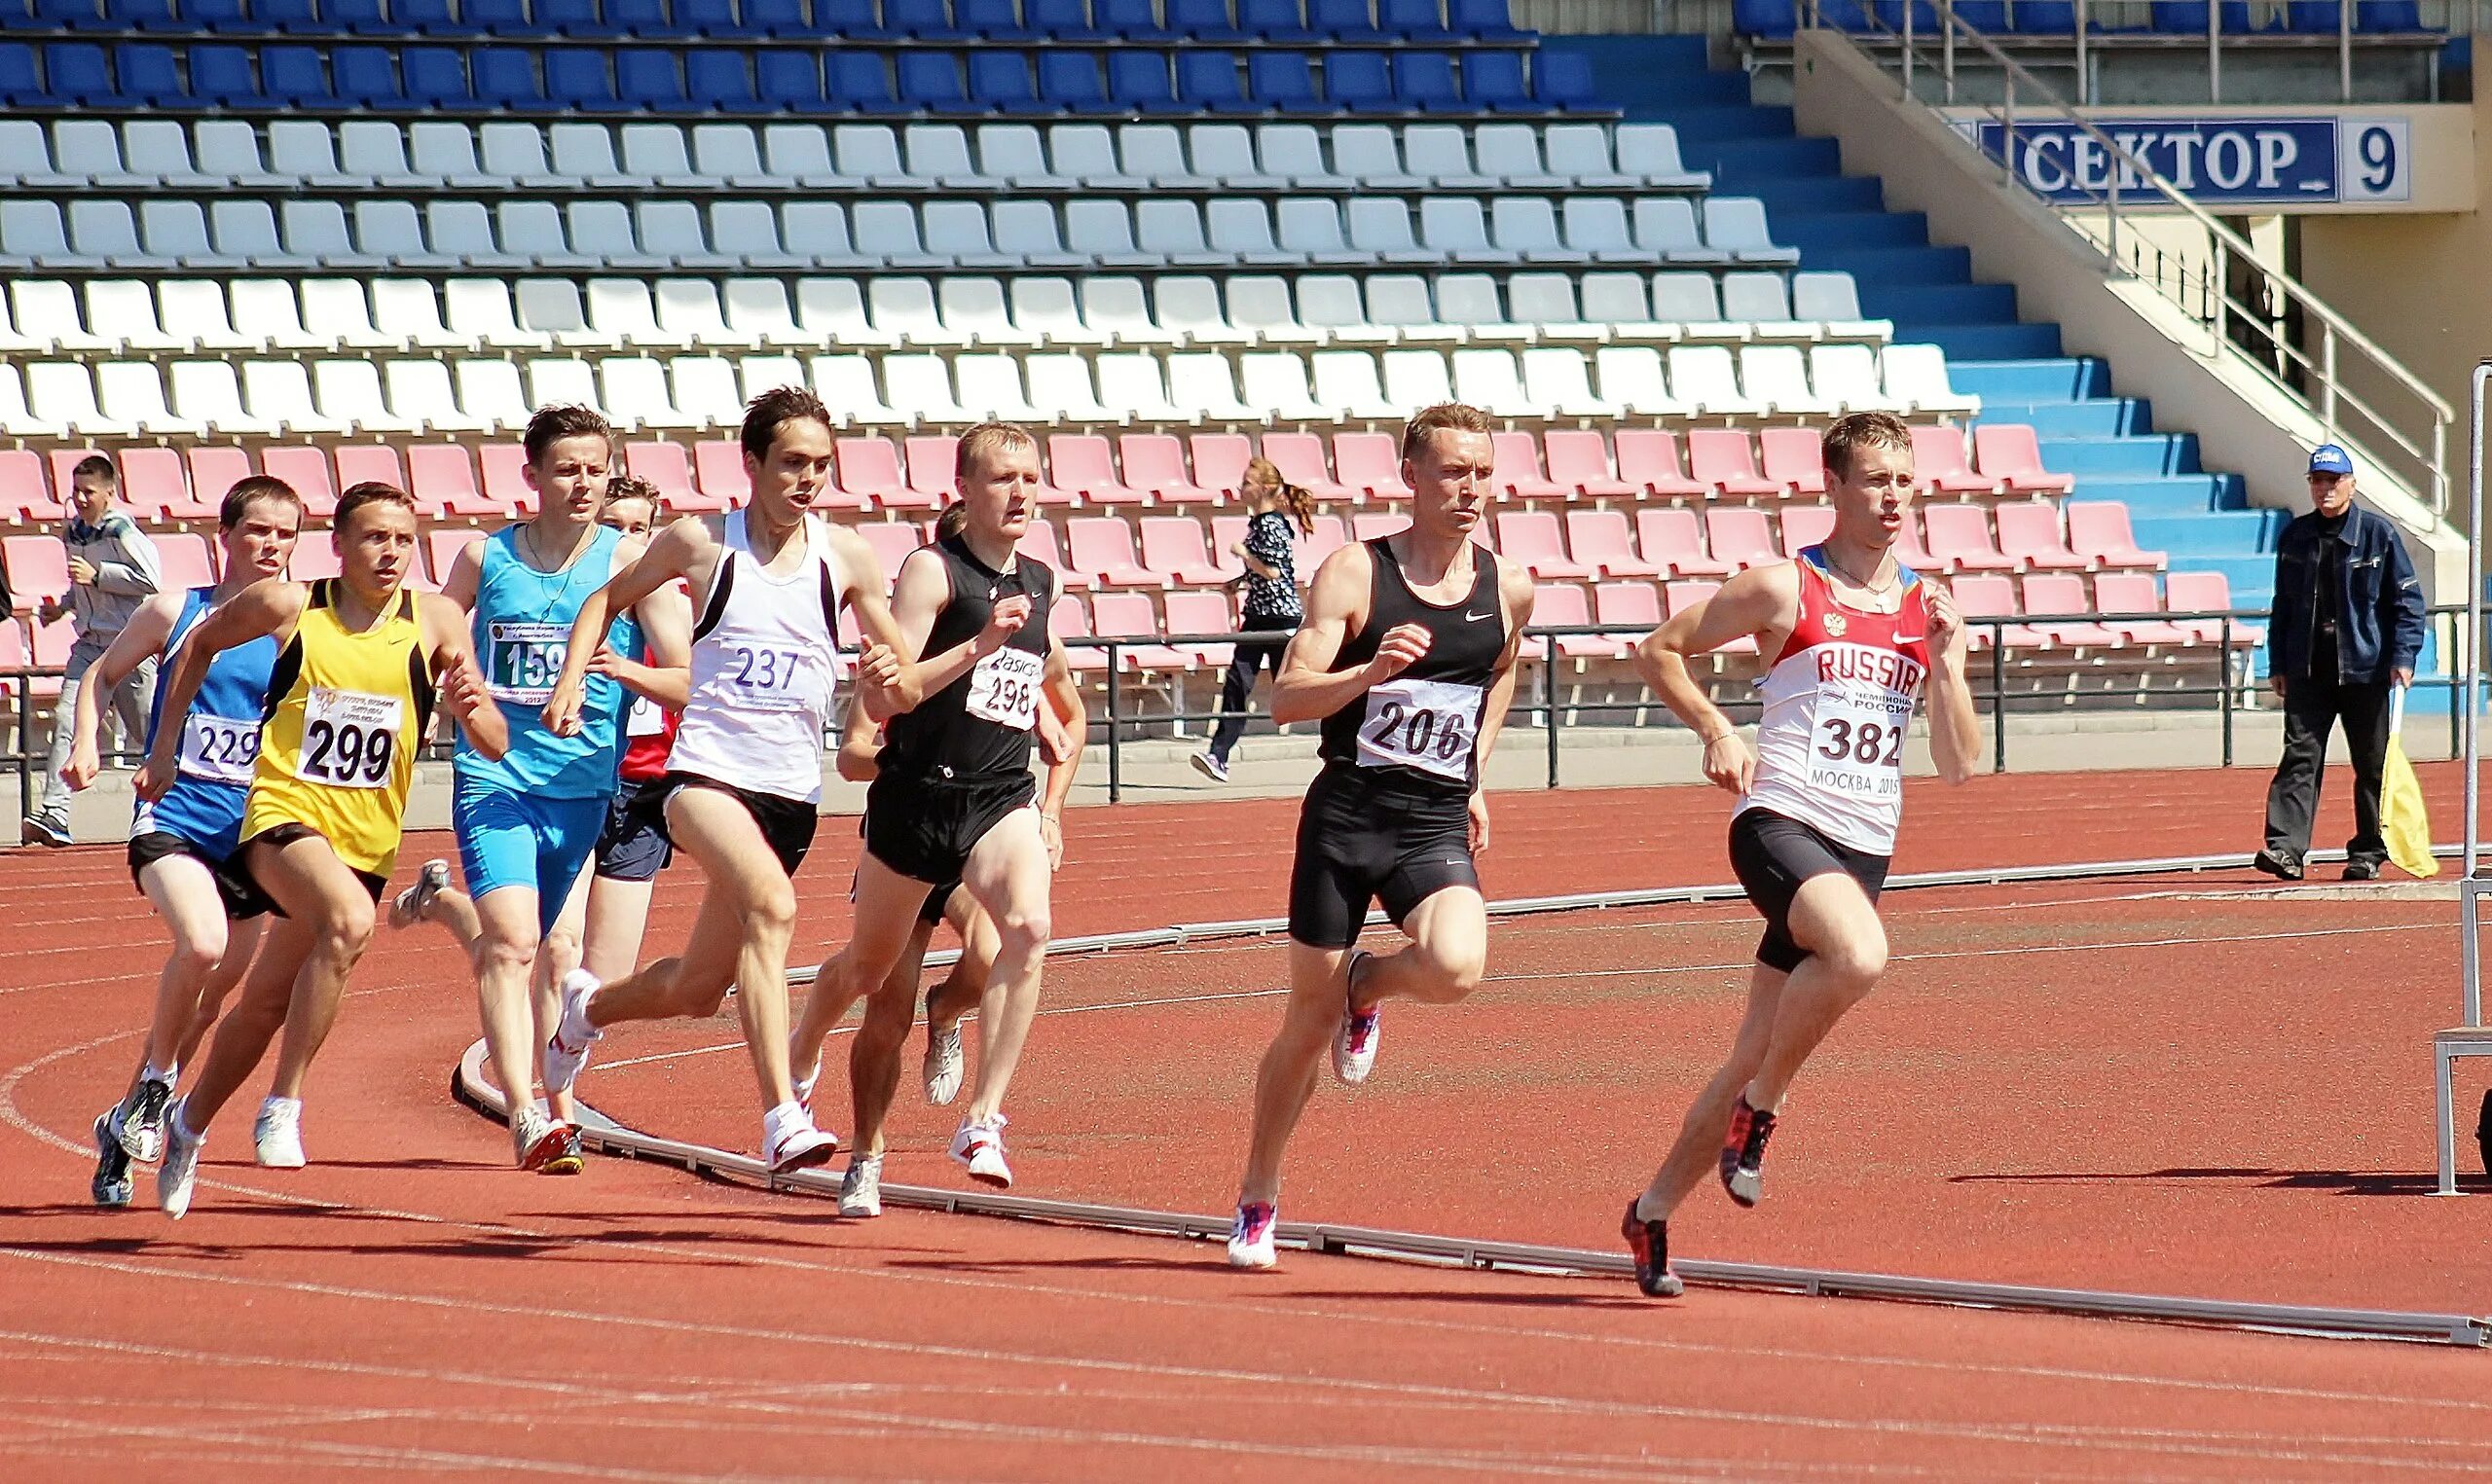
{"type": "Point", "coordinates": [2347, 627]}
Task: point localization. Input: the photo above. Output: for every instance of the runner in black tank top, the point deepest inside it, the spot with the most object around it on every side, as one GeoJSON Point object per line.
{"type": "Point", "coordinates": [1406, 659]}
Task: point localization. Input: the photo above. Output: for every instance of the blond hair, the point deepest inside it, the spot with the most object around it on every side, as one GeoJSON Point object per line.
{"type": "Point", "coordinates": [1855, 431]}
{"type": "Point", "coordinates": [1454, 416]}
{"type": "Point", "coordinates": [987, 438]}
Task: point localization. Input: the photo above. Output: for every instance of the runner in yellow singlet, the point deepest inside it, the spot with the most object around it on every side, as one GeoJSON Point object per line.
{"type": "Point", "coordinates": [361, 661]}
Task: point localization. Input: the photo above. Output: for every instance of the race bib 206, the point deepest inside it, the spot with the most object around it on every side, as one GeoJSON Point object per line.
{"type": "Point", "coordinates": [1429, 725]}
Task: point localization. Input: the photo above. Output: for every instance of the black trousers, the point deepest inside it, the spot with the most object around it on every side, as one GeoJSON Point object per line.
{"type": "Point", "coordinates": [1245, 662]}
{"type": "Point", "coordinates": [2313, 707]}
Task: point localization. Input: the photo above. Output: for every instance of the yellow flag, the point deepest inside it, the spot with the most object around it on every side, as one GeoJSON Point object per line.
{"type": "Point", "coordinates": [2402, 820]}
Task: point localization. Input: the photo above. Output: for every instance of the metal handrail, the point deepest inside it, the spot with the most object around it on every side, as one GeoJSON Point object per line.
{"type": "Point", "coordinates": [2142, 183]}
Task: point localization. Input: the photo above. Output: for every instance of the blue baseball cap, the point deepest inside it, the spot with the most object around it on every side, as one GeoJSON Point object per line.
{"type": "Point", "coordinates": [2327, 458]}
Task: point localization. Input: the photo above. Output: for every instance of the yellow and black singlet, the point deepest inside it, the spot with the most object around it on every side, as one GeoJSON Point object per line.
{"type": "Point", "coordinates": [347, 711]}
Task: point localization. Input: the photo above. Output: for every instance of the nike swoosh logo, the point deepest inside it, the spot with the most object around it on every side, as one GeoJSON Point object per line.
{"type": "Point", "coordinates": [1479, 618]}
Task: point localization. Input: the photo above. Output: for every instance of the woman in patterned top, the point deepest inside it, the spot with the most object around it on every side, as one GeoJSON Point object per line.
{"type": "Point", "coordinates": [1270, 553]}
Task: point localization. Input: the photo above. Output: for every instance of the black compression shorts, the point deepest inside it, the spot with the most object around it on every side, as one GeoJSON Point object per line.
{"type": "Point", "coordinates": [925, 828]}
{"type": "Point", "coordinates": [1363, 840]}
{"type": "Point", "coordinates": [633, 846]}
{"type": "Point", "coordinates": [242, 897]}
{"type": "Point", "coordinates": [788, 824]}
{"type": "Point", "coordinates": [1771, 855]}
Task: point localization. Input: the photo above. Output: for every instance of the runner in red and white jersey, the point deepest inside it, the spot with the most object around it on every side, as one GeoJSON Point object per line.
{"type": "Point", "coordinates": [1857, 639]}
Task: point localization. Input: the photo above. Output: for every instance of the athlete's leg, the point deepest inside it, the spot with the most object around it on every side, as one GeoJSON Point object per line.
{"type": "Point", "coordinates": [1832, 920]}
{"type": "Point", "coordinates": [1447, 952]}
{"type": "Point", "coordinates": [557, 955]}
{"type": "Point", "coordinates": [1008, 874]}
{"type": "Point", "coordinates": [298, 981]}
{"type": "Point", "coordinates": [887, 908]}
{"type": "Point", "coordinates": [1697, 1151]}
{"type": "Point", "coordinates": [617, 917]}
{"type": "Point", "coordinates": [1286, 1077]}
{"type": "Point", "coordinates": [241, 941]}
{"type": "Point", "coordinates": [965, 987]}
{"type": "Point", "coordinates": [873, 1058]}
{"type": "Point", "coordinates": [184, 892]}
{"type": "Point", "coordinates": [455, 913]}
{"type": "Point", "coordinates": [505, 956]}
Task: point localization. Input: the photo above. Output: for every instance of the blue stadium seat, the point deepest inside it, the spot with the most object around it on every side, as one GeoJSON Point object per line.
{"type": "Point", "coordinates": [144, 16]}
{"type": "Point", "coordinates": [1564, 80]}
{"type": "Point", "coordinates": [1282, 82]}
{"type": "Point", "coordinates": [718, 78]}
{"type": "Point", "coordinates": [1133, 19]}
{"type": "Point", "coordinates": [1208, 79]}
{"type": "Point", "coordinates": [1202, 20]}
{"type": "Point", "coordinates": [223, 17]}
{"type": "Point", "coordinates": [435, 77]}
{"type": "Point", "coordinates": [2388, 16]}
{"type": "Point", "coordinates": [68, 15]}
{"type": "Point", "coordinates": [790, 81]}
{"type": "Point", "coordinates": [1424, 83]}
{"type": "Point", "coordinates": [221, 78]}
{"type": "Point", "coordinates": [930, 82]}
{"type": "Point", "coordinates": [774, 17]}
{"type": "Point", "coordinates": [645, 19]}
{"type": "Point", "coordinates": [1069, 82]}
{"type": "Point", "coordinates": [1061, 20]}
{"type": "Point", "coordinates": [708, 18]}
{"type": "Point", "coordinates": [580, 78]}
{"type": "Point", "coordinates": [569, 17]}
{"type": "Point", "coordinates": [1486, 19]}
{"type": "Point", "coordinates": [1000, 82]}
{"type": "Point", "coordinates": [291, 15]}
{"type": "Point", "coordinates": [292, 77]}
{"type": "Point", "coordinates": [1341, 21]}
{"type": "Point", "coordinates": [1416, 20]}
{"type": "Point", "coordinates": [2188, 17]}
{"type": "Point", "coordinates": [365, 77]}
{"type": "Point", "coordinates": [995, 19]}
{"type": "Point", "coordinates": [1770, 19]}
{"type": "Point", "coordinates": [78, 73]}
{"type": "Point", "coordinates": [1279, 20]}
{"type": "Point", "coordinates": [1493, 83]}
{"type": "Point", "coordinates": [646, 79]}
{"type": "Point", "coordinates": [1138, 82]}
{"type": "Point", "coordinates": [356, 17]}
{"type": "Point", "coordinates": [1925, 16]}
{"type": "Point", "coordinates": [505, 77]}
{"type": "Point", "coordinates": [498, 17]}
{"type": "Point", "coordinates": [925, 19]}
{"type": "Point", "coordinates": [2311, 18]}
{"type": "Point", "coordinates": [847, 19]}
{"type": "Point", "coordinates": [149, 76]}
{"type": "Point", "coordinates": [859, 82]}
{"type": "Point", "coordinates": [1850, 15]}
{"type": "Point", "coordinates": [1988, 17]}
{"type": "Point", "coordinates": [428, 18]}
{"type": "Point", "coordinates": [1359, 82]}
{"type": "Point", "coordinates": [20, 84]}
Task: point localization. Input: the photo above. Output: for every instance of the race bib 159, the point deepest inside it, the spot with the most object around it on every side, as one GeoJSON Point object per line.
{"type": "Point", "coordinates": [1429, 725]}
{"type": "Point", "coordinates": [1856, 745]}
{"type": "Point", "coordinates": [350, 738]}
{"type": "Point", "coordinates": [1004, 688]}
{"type": "Point", "coordinates": [219, 748]}
{"type": "Point", "coordinates": [524, 659]}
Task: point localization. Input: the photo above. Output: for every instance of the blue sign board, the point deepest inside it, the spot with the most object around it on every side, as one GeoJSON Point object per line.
{"type": "Point", "coordinates": [2234, 161]}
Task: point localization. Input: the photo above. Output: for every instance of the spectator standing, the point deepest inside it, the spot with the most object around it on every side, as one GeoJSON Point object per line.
{"type": "Point", "coordinates": [2347, 627]}
{"type": "Point", "coordinates": [113, 569]}
{"type": "Point", "coordinates": [1272, 606]}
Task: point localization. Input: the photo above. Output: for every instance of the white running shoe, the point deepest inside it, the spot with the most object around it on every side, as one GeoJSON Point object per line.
{"type": "Point", "coordinates": [861, 1189]}
{"type": "Point", "coordinates": [1250, 1239]}
{"type": "Point", "coordinates": [180, 1168]}
{"type": "Point", "coordinates": [944, 1066]}
{"type": "Point", "coordinates": [1210, 767]}
{"type": "Point", "coordinates": [277, 1136]}
{"type": "Point", "coordinates": [408, 907]}
{"type": "Point", "coordinates": [1354, 1044]}
{"type": "Point", "coordinates": [980, 1147]}
{"type": "Point", "coordinates": [805, 1086]}
{"type": "Point", "coordinates": [567, 1049]}
{"type": "Point", "coordinates": [792, 1143]}
{"type": "Point", "coordinates": [535, 1137]}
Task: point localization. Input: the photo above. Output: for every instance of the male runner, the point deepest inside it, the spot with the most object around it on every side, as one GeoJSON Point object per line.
{"type": "Point", "coordinates": [1407, 657]}
{"type": "Point", "coordinates": [180, 846]}
{"type": "Point", "coordinates": [528, 820]}
{"type": "Point", "coordinates": [113, 568]}
{"type": "Point", "coordinates": [744, 777]}
{"type": "Point", "coordinates": [358, 656]}
{"type": "Point", "coordinates": [1855, 635]}
{"type": "Point", "coordinates": [953, 801]}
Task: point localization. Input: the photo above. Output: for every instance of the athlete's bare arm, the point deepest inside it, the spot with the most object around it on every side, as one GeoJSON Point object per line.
{"type": "Point", "coordinates": [665, 617]}
{"type": "Point", "coordinates": [1515, 591]}
{"type": "Point", "coordinates": [263, 608]}
{"type": "Point", "coordinates": [458, 681]}
{"type": "Point", "coordinates": [686, 550]}
{"type": "Point", "coordinates": [467, 571]}
{"type": "Point", "coordinates": [923, 590]}
{"type": "Point", "coordinates": [884, 687]}
{"type": "Point", "coordinates": [1954, 732]}
{"type": "Point", "coordinates": [1064, 702]}
{"type": "Point", "coordinates": [141, 639]}
{"type": "Point", "coordinates": [1308, 687]}
{"type": "Point", "coordinates": [861, 747]}
{"type": "Point", "coordinates": [1761, 603]}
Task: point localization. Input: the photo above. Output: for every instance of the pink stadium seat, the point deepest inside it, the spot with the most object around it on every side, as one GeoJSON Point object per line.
{"type": "Point", "coordinates": [315, 557]}
{"type": "Point", "coordinates": [1741, 537]}
{"type": "Point", "coordinates": [1200, 612]}
{"type": "Point", "coordinates": [506, 483]}
{"type": "Point", "coordinates": [1795, 458]}
{"type": "Point", "coordinates": [2099, 531]}
{"type": "Point", "coordinates": [1683, 596]}
{"type": "Point", "coordinates": [892, 541]}
{"type": "Point", "coordinates": [2011, 454]}
{"type": "Point", "coordinates": [186, 561]}
{"type": "Point", "coordinates": [1959, 535]}
{"type": "Point", "coordinates": [1040, 541]}
{"type": "Point", "coordinates": [365, 463]}
{"type": "Point", "coordinates": [215, 468]}
{"type": "Point", "coordinates": [445, 481]}
{"type": "Point", "coordinates": [666, 465]}
{"type": "Point", "coordinates": [2208, 592]}
{"type": "Point", "coordinates": [1532, 538]}
{"type": "Point", "coordinates": [2028, 530]}
{"type": "Point", "coordinates": [1601, 538]}
{"type": "Point", "coordinates": [1564, 605]}
{"type": "Point", "coordinates": [153, 486]}
{"type": "Point", "coordinates": [1629, 602]}
{"type": "Point", "coordinates": [12, 657]}
{"type": "Point", "coordinates": [51, 651]}
{"type": "Point", "coordinates": [308, 471]}
{"type": "Point", "coordinates": [25, 491]}
{"type": "Point", "coordinates": [1518, 469]}
{"type": "Point", "coordinates": [1130, 616]}
{"type": "Point", "coordinates": [1220, 461]}
{"type": "Point", "coordinates": [1069, 620]}
{"type": "Point", "coordinates": [1648, 459]}
{"type": "Point", "coordinates": [442, 548]}
{"type": "Point", "coordinates": [38, 568]}
{"type": "Point", "coordinates": [1332, 534]}
{"type": "Point", "coordinates": [2053, 595]}
{"type": "Point", "coordinates": [1805, 526]}
{"type": "Point", "coordinates": [1723, 460]}
{"type": "Point", "coordinates": [2135, 592]}
{"type": "Point", "coordinates": [1911, 550]}
{"type": "Point", "coordinates": [62, 460]}
{"type": "Point", "coordinates": [1155, 463]}
{"type": "Point", "coordinates": [1988, 596]}
{"type": "Point", "coordinates": [1579, 458]}
{"type": "Point", "coordinates": [1299, 456]}
{"type": "Point", "coordinates": [1101, 548]}
{"type": "Point", "coordinates": [1174, 545]}
{"type": "Point", "coordinates": [933, 473]}
{"type": "Point", "coordinates": [1083, 464]}
{"type": "Point", "coordinates": [1370, 524]}
{"type": "Point", "coordinates": [867, 469]}
{"type": "Point", "coordinates": [1370, 462]}
{"type": "Point", "coordinates": [1938, 462]}
{"type": "Point", "coordinates": [1675, 542]}
{"type": "Point", "coordinates": [717, 463]}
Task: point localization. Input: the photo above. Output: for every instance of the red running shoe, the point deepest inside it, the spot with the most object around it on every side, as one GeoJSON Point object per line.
{"type": "Point", "coordinates": [1650, 1242]}
{"type": "Point", "coordinates": [1743, 1152]}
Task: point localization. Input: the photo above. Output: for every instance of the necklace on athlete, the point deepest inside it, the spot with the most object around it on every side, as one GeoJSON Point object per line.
{"type": "Point", "coordinates": [537, 552]}
{"type": "Point", "coordinates": [1874, 590]}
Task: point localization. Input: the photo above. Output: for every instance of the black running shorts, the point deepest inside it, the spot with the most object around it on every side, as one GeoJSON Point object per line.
{"type": "Point", "coordinates": [1363, 840]}
{"type": "Point", "coordinates": [788, 824]}
{"type": "Point", "coordinates": [242, 897]}
{"type": "Point", "coordinates": [633, 846]}
{"type": "Point", "coordinates": [931, 913]}
{"type": "Point", "coordinates": [1771, 855]}
{"type": "Point", "coordinates": [925, 828]}
{"type": "Point", "coordinates": [279, 835]}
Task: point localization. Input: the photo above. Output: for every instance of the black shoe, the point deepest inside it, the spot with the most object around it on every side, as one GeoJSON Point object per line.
{"type": "Point", "coordinates": [47, 828]}
{"type": "Point", "coordinates": [111, 1185]}
{"type": "Point", "coordinates": [2281, 867]}
{"type": "Point", "coordinates": [1743, 1152]}
{"type": "Point", "coordinates": [142, 1121]}
{"type": "Point", "coordinates": [1650, 1242]}
{"type": "Point", "coordinates": [2362, 870]}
